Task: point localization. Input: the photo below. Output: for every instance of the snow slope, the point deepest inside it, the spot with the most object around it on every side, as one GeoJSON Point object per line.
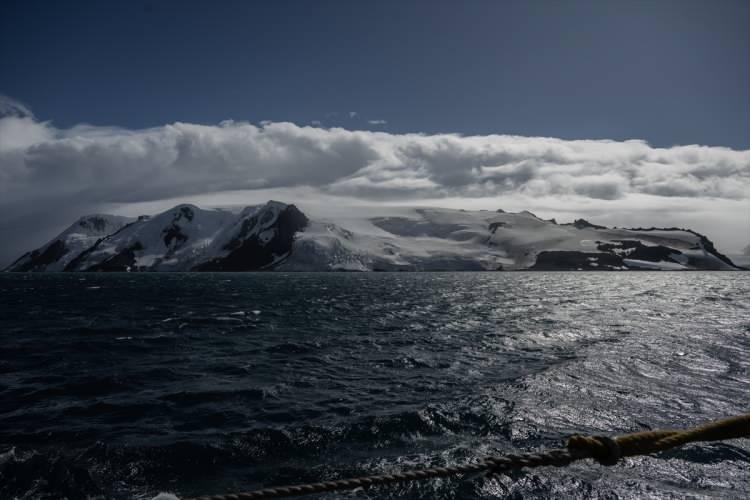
{"type": "Point", "coordinates": [189, 238]}
{"type": "Point", "coordinates": [66, 246]}
{"type": "Point", "coordinates": [279, 236]}
{"type": "Point", "coordinates": [169, 241]}
{"type": "Point", "coordinates": [424, 239]}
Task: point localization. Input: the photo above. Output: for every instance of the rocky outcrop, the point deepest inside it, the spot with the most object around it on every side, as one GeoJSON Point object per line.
{"type": "Point", "coordinates": [584, 224]}
{"type": "Point", "coordinates": [264, 239]}
{"type": "Point", "coordinates": [577, 261]}
{"type": "Point", "coordinates": [38, 260]}
{"type": "Point", "coordinates": [123, 261]}
{"type": "Point", "coordinates": [703, 243]}
{"type": "Point", "coordinates": [636, 250]}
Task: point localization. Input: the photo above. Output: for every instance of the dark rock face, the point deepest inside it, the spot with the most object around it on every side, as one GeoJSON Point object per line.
{"type": "Point", "coordinates": [247, 226]}
{"type": "Point", "coordinates": [611, 257]}
{"type": "Point", "coordinates": [494, 225]}
{"type": "Point", "coordinates": [173, 233]}
{"type": "Point", "coordinates": [75, 264]}
{"type": "Point", "coordinates": [708, 245]}
{"type": "Point", "coordinates": [638, 251]}
{"type": "Point", "coordinates": [710, 248]}
{"type": "Point", "coordinates": [39, 260]}
{"type": "Point", "coordinates": [122, 262]}
{"type": "Point", "coordinates": [571, 260]}
{"type": "Point", "coordinates": [186, 212]}
{"type": "Point", "coordinates": [94, 223]}
{"type": "Point", "coordinates": [583, 224]}
{"type": "Point", "coordinates": [252, 254]}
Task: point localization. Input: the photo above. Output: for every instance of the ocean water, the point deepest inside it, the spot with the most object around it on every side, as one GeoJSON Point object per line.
{"type": "Point", "coordinates": [122, 385]}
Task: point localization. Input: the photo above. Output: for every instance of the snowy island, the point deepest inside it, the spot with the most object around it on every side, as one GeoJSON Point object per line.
{"type": "Point", "coordinates": [278, 236]}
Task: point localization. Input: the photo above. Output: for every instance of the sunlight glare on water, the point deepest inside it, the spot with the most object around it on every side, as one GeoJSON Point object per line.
{"type": "Point", "coordinates": [210, 383]}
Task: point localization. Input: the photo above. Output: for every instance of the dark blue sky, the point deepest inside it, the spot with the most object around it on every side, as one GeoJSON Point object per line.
{"type": "Point", "coordinates": [670, 72]}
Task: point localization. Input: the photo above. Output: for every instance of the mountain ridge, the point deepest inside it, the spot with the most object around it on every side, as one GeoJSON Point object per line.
{"type": "Point", "coordinates": [279, 236]}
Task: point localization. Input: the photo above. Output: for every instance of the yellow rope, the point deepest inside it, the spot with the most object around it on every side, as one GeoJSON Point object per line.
{"type": "Point", "coordinates": [606, 450]}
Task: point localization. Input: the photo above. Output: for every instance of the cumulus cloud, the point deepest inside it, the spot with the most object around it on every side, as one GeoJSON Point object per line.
{"type": "Point", "coordinates": [44, 168]}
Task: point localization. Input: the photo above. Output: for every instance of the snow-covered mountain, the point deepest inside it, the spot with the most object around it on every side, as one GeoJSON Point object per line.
{"type": "Point", "coordinates": [66, 246]}
{"type": "Point", "coordinates": [280, 237]}
{"type": "Point", "coordinates": [189, 238]}
{"type": "Point", "coordinates": [425, 239]}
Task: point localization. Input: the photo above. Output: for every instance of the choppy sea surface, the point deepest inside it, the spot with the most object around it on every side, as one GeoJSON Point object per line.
{"type": "Point", "coordinates": [121, 385]}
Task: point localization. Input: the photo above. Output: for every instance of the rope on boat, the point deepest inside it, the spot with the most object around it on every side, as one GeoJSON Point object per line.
{"type": "Point", "coordinates": [605, 450]}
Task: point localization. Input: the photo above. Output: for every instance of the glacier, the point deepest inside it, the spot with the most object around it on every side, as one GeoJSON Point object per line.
{"type": "Point", "coordinates": [279, 236]}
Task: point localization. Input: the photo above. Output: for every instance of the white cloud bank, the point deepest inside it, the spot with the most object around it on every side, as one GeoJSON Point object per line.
{"type": "Point", "coordinates": [47, 173]}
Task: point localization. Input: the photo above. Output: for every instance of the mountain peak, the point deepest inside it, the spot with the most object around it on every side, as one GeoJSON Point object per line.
{"type": "Point", "coordinates": [584, 224]}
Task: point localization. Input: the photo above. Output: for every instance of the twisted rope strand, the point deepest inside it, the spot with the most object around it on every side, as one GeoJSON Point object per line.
{"type": "Point", "coordinates": [643, 443]}
{"type": "Point", "coordinates": [607, 451]}
{"type": "Point", "coordinates": [556, 457]}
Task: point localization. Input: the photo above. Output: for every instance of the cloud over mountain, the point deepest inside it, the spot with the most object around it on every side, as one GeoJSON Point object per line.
{"type": "Point", "coordinates": [43, 166]}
